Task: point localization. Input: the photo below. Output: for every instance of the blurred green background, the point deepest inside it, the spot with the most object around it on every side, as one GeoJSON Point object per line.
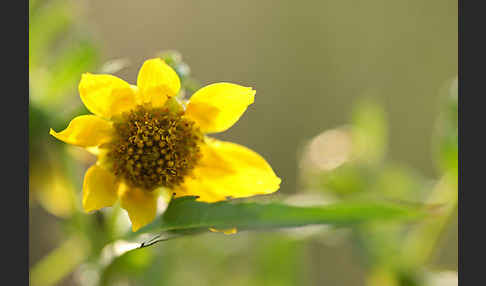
{"type": "Point", "coordinates": [381, 72]}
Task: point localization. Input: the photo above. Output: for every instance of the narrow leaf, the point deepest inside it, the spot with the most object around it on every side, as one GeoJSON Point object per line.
{"type": "Point", "coordinates": [186, 213]}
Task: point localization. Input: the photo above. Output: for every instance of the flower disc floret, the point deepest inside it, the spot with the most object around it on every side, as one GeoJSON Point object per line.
{"type": "Point", "coordinates": [154, 147]}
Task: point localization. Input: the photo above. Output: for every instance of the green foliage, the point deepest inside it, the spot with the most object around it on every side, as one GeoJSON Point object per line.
{"type": "Point", "coordinates": [48, 22]}
{"type": "Point", "coordinates": [370, 131]}
{"type": "Point", "coordinates": [186, 213]}
{"type": "Point", "coordinates": [132, 264]}
{"type": "Point", "coordinates": [447, 135]}
{"type": "Point", "coordinates": [38, 122]}
{"type": "Point", "coordinates": [69, 66]}
{"type": "Point", "coordinates": [347, 179]}
{"type": "Point", "coordinates": [272, 269]}
{"type": "Point", "coordinates": [398, 250]}
{"type": "Point", "coordinates": [59, 52]}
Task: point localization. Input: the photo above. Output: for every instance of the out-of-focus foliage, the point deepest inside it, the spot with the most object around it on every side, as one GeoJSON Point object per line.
{"type": "Point", "coordinates": [59, 52]}
{"type": "Point", "coordinates": [369, 132]}
{"type": "Point", "coordinates": [274, 259]}
{"type": "Point", "coordinates": [393, 254]}
{"type": "Point", "coordinates": [446, 135]}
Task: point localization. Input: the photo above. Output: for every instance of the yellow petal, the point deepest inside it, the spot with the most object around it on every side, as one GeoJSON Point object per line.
{"type": "Point", "coordinates": [99, 189]}
{"type": "Point", "coordinates": [85, 131]}
{"type": "Point", "coordinates": [225, 231]}
{"type": "Point", "coordinates": [106, 95]}
{"type": "Point", "coordinates": [93, 150]}
{"type": "Point", "coordinates": [218, 106]}
{"type": "Point", "coordinates": [157, 82]}
{"type": "Point", "coordinates": [141, 205]}
{"type": "Point", "coordinates": [229, 170]}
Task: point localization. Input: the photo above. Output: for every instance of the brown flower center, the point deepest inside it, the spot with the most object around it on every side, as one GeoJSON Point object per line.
{"type": "Point", "coordinates": [154, 147]}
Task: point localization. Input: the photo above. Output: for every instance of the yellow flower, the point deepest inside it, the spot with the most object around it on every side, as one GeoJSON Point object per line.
{"type": "Point", "coordinates": [147, 141]}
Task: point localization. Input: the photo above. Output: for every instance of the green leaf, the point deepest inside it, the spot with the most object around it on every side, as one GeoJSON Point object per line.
{"type": "Point", "coordinates": [187, 214]}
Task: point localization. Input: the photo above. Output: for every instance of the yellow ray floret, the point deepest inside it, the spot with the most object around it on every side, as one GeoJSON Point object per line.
{"type": "Point", "coordinates": [157, 82]}
{"type": "Point", "coordinates": [141, 205]}
{"type": "Point", "coordinates": [106, 95]}
{"type": "Point", "coordinates": [99, 189]}
{"type": "Point", "coordinates": [218, 106]}
{"type": "Point", "coordinates": [229, 170]}
{"type": "Point", "coordinates": [86, 131]}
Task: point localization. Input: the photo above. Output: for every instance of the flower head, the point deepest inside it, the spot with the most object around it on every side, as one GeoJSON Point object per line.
{"type": "Point", "coordinates": [148, 141]}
